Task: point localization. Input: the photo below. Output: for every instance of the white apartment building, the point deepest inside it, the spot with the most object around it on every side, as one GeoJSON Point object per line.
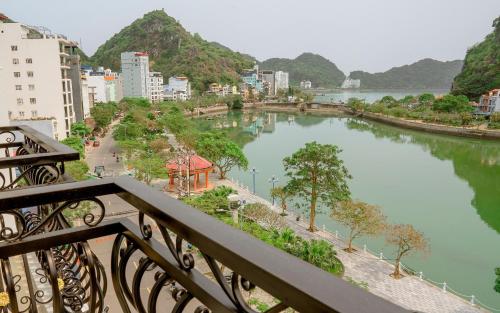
{"type": "Point", "coordinates": [178, 88]}
{"type": "Point", "coordinates": [96, 80]}
{"type": "Point", "coordinates": [135, 74]}
{"type": "Point", "coordinates": [34, 78]}
{"type": "Point", "coordinates": [155, 87]}
{"type": "Point", "coordinates": [306, 84]}
{"type": "Point", "coordinates": [280, 80]}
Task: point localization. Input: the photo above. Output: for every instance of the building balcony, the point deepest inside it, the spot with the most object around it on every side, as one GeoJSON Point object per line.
{"type": "Point", "coordinates": [163, 256]}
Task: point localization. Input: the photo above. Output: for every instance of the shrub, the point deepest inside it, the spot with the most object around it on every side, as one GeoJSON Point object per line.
{"type": "Point", "coordinates": [466, 118]}
{"type": "Point", "coordinates": [397, 111]}
{"type": "Point", "coordinates": [495, 117]}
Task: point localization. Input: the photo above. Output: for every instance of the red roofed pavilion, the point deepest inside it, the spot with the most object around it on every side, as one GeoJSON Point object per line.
{"type": "Point", "coordinates": [197, 166]}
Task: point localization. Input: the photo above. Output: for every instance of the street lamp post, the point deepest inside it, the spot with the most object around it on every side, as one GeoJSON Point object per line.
{"type": "Point", "coordinates": [273, 180]}
{"type": "Point", "coordinates": [254, 172]}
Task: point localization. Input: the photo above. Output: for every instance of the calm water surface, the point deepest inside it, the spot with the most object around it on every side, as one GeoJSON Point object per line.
{"type": "Point", "coordinates": [447, 187]}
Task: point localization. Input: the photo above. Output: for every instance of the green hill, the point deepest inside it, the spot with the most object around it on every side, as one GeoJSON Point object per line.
{"type": "Point", "coordinates": [424, 74]}
{"type": "Point", "coordinates": [307, 66]}
{"type": "Point", "coordinates": [481, 70]}
{"type": "Point", "coordinates": [173, 51]}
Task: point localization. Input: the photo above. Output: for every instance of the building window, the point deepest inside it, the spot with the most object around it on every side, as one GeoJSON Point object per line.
{"type": "Point", "coordinates": [32, 100]}
{"type": "Point", "coordinates": [21, 113]}
{"type": "Point", "coordinates": [67, 124]}
{"type": "Point", "coordinates": [29, 60]}
{"type": "Point", "coordinates": [13, 48]}
{"type": "Point", "coordinates": [34, 113]}
{"type": "Point", "coordinates": [64, 86]}
{"type": "Point", "coordinates": [64, 99]}
{"type": "Point", "coordinates": [31, 87]}
{"type": "Point", "coordinates": [71, 111]}
{"type": "Point", "coordinates": [30, 73]}
{"type": "Point", "coordinates": [65, 111]}
{"type": "Point", "coordinates": [15, 61]}
{"type": "Point", "coordinates": [20, 101]}
{"type": "Point", "coordinates": [19, 87]}
{"type": "Point", "coordinates": [17, 74]}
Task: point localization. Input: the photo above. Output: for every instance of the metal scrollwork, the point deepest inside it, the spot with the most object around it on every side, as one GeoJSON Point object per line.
{"type": "Point", "coordinates": [146, 230]}
{"type": "Point", "coordinates": [7, 232]}
{"type": "Point", "coordinates": [11, 137]}
{"type": "Point", "coordinates": [185, 259]}
{"type": "Point", "coordinates": [37, 225]}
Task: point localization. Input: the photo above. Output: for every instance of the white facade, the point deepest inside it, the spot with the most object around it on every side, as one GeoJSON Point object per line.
{"type": "Point", "coordinates": [135, 73]}
{"type": "Point", "coordinates": [280, 81]}
{"type": "Point", "coordinates": [155, 87]}
{"type": "Point", "coordinates": [178, 88]}
{"type": "Point", "coordinates": [350, 83]}
{"type": "Point", "coordinates": [86, 99]}
{"type": "Point", "coordinates": [34, 80]}
{"type": "Point", "coordinates": [95, 81]}
{"type": "Point", "coordinates": [306, 84]}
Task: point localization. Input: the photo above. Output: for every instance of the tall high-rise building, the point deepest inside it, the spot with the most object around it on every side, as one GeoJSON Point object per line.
{"type": "Point", "coordinates": [135, 74]}
{"type": "Point", "coordinates": [280, 80]}
{"type": "Point", "coordinates": [35, 82]}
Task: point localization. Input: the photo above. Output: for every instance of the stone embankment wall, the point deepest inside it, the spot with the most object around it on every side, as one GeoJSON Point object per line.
{"type": "Point", "coordinates": [431, 128]}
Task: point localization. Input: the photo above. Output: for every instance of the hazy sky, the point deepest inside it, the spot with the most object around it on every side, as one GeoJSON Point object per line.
{"type": "Point", "coordinates": [371, 35]}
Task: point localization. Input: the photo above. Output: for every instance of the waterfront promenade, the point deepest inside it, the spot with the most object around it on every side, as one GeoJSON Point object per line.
{"type": "Point", "coordinates": [363, 267]}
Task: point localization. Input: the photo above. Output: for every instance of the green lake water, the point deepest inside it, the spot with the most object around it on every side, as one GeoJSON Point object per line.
{"type": "Point", "coordinates": [446, 187]}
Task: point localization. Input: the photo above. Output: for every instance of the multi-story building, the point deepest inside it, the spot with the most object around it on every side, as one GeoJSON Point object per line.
{"type": "Point", "coordinates": [178, 88]}
{"type": "Point", "coordinates": [96, 81]}
{"type": "Point", "coordinates": [350, 83]}
{"type": "Point", "coordinates": [251, 78]}
{"type": "Point", "coordinates": [268, 82]}
{"type": "Point", "coordinates": [155, 87]}
{"type": "Point", "coordinates": [280, 81]}
{"type": "Point", "coordinates": [306, 84]}
{"type": "Point", "coordinates": [135, 74]}
{"type": "Point", "coordinates": [35, 82]}
{"type": "Point", "coordinates": [489, 103]}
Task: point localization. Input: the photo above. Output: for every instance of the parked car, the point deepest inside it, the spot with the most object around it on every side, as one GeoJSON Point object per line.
{"type": "Point", "coordinates": [96, 143]}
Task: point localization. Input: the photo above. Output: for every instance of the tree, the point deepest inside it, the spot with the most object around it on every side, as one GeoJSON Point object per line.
{"type": "Point", "coordinates": [451, 103]}
{"type": "Point", "coordinates": [407, 240]}
{"type": "Point", "coordinates": [237, 103]}
{"type": "Point", "coordinates": [128, 131]}
{"type": "Point", "coordinates": [103, 113]}
{"type": "Point", "coordinates": [263, 215]}
{"type": "Point", "coordinates": [77, 169]}
{"type": "Point", "coordinates": [222, 152]}
{"type": "Point", "coordinates": [80, 129]}
{"type": "Point", "coordinates": [148, 167]}
{"type": "Point", "coordinates": [497, 280]}
{"type": "Point", "coordinates": [426, 98]}
{"type": "Point", "coordinates": [75, 143]}
{"type": "Point", "coordinates": [131, 146]}
{"type": "Point", "coordinates": [283, 194]}
{"type": "Point", "coordinates": [360, 218]}
{"type": "Point", "coordinates": [159, 145]}
{"type": "Point", "coordinates": [317, 174]}
{"type": "Point", "coordinates": [355, 104]}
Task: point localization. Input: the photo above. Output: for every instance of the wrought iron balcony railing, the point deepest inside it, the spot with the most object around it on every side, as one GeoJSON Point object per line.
{"type": "Point", "coordinates": [202, 264]}
{"type": "Point", "coordinates": [38, 158]}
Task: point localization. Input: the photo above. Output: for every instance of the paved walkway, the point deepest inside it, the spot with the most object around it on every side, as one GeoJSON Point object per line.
{"type": "Point", "coordinates": [409, 292]}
